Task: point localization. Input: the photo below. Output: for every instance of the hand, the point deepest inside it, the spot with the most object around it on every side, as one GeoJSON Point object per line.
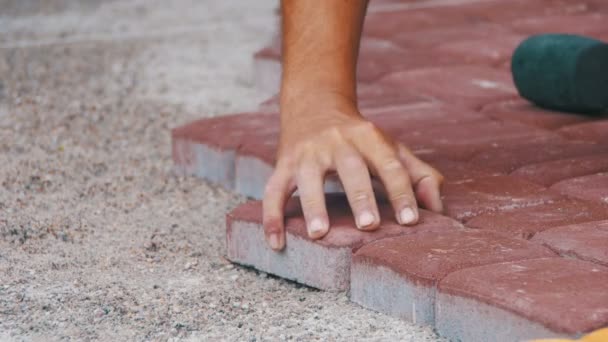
{"type": "Point", "coordinates": [319, 137]}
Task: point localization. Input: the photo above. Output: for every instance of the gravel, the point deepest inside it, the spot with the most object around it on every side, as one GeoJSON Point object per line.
{"type": "Point", "coordinates": [98, 239]}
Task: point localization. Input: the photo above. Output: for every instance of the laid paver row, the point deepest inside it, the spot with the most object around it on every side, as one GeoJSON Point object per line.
{"type": "Point", "coordinates": [238, 151]}
{"type": "Point", "coordinates": [523, 252]}
{"type": "Point", "coordinates": [433, 272]}
{"type": "Point", "coordinates": [476, 32]}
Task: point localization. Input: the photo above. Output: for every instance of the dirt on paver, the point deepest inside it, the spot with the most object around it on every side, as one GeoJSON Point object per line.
{"type": "Point", "coordinates": [98, 239]}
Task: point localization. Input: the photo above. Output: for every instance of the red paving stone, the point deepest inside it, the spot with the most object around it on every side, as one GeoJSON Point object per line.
{"type": "Point", "coordinates": [592, 188]}
{"type": "Point", "coordinates": [508, 159]}
{"type": "Point", "coordinates": [525, 222]}
{"type": "Point", "coordinates": [584, 24]}
{"type": "Point", "coordinates": [470, 86]}
{"type": "Point", "coordinates": [585, 241]}
{"type": "Point", "coordinates": [466, 199]}
{"type": "Point", "coordinates": [421, 117]}
{"type": "Point", "coordinates": [323, 263]}
{"type": "Point", "coordinates": [387, 24]}
{"type": "Point", "coordinates": [523, 300]}
{"type": "Point", "coordinates": [595, 131]}
{"type": "Point", "coordinates": [521, 110]}
{"type": "Point", "coordinates": [432, 37]}
{"type": "Point", "coordinates": [462, 141]}
{"type": "Point", "coordinates": [397, 276]}
{"type": "Point", "coordinates": [454, 171]}
{"type": "Point", "coordinates": [549, 173]}
{"type": "Point", "coordinates": [434, 74]}
{"type": "Point", "coordinates": [495, 51]}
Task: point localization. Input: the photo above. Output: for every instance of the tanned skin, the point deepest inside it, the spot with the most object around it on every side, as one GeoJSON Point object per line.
{"type": "Point", "coordinates": [322, 130]}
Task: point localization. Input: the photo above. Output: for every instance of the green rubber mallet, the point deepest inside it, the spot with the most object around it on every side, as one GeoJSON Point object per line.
{"type": "Point", "coordinates": [563, 72]}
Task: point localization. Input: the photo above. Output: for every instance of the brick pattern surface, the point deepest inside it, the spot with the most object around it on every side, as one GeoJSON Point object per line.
{"type": "Point", "coordinates": [525, 222]}
{"type": "Point", "coordinates": [521, 247]}
{"type": "Point", "coordinates": [466, 199]}
{"type": "Point", "coordinates": [399, 275]}
{"type": "Point", "coordinates": [521, 300]}
{"type": "Point", "coordinates": [586, 241]}
{"type": "Point", "coordinates": [520, 110]}
{"type": "Point", "coordinates": [592, 187]}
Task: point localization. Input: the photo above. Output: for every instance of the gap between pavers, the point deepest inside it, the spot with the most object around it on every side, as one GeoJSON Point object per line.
{"type": "Point", "coordinates": [509, 158]}
{"type": "Point", "coordinates": [523, 300]}
{"type": "Point", "coordinates": [551, 172]}
{"type": "Point", "coordinates": [324, 263]}
{"type": "Point", "coordinates": [590, 188]}
{"type": "Point", "coordinates": [398, 276]}
{"type": "Point", "coordinates": [526, 222]}
{"type": "Point", "coordinates": [464, 140]}
{"type": "Point", "coordinates": [464, 85]}
{"type": "Point", "coordinates": [466, 199]}
{"type": "Point", "coordinates": [522, 111]}
{"type": "Point", "coordinates": [585, 241]}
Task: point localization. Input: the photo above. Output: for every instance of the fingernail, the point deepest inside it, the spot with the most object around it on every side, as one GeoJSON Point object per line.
{"type": "Point", "coordinates": [273, 241]}
{"type": "Point", "coordinates": [407, 216]}
{"type": "Point", "coordinates": [315, 227]}
{"type": "Point", "coordinates": [365, 219]}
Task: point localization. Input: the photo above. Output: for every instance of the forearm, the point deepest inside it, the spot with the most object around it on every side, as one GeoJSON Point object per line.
{"type": "Point", "coordinates": [320, 47]}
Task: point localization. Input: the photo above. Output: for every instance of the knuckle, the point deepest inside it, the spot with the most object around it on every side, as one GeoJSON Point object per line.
{"type": "Point", "coordinates": [391, 164]}
{"type": "Point", "coordinates": [311, 204]}
{"type": "Point", "coordinates": [366, 128]}
{"type": "Point", "coordinates": [307, 172]}
{"type": "Point", "coordinates": [361, 196]}
{"type": "Point", "coordinates": [401, 197]}
{"type": "Point", "coordinates": [352, 162]}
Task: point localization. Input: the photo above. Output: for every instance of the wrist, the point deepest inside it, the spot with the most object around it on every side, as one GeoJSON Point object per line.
{"type": "Point", "coordinates": [317, 96]}
{"type": "Point", "coordinates": [316, 109]}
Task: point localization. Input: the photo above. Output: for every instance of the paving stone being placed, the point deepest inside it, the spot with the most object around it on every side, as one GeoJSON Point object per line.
{"type": "Point", "coordinates": [469, 86]}
{"type": "Point", "coordinates": [507, 159]}
{"type": "Point", "coordinates": [592, 188]}
{"type": "Point", "coordinates": [585, 241]}
{"type": "Point", "coordinates": [526, 222]}
{"type": "Point", "coordinates": [521, 110]}
{"type": "Point", "coordinates": [551, 172]}
{"type": "Point", "coordinates": [398, 276]}
{"type": "Point", "coordinates": [466, 199]}
{"type": "Point", "coordinates": [324, 263]}
{"type": "Point", "coordinates": [523, 300]}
